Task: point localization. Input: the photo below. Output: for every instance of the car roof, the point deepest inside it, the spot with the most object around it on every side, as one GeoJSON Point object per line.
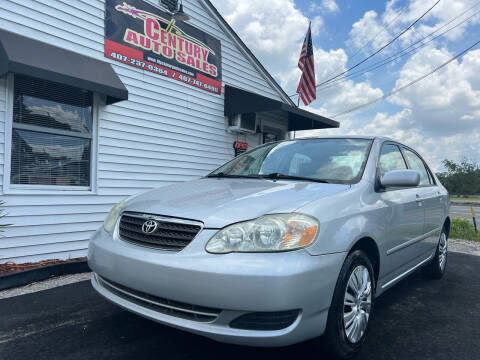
{"type": "Point", "coordinates": [368, 137]}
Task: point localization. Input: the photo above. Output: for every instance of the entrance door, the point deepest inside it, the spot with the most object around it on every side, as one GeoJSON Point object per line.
{"type": "Point", "coordinates": [271, 134]}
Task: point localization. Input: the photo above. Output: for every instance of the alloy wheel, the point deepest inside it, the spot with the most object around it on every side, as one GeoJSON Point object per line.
{"type": "Point", "coordinates": [442, 251]}
{"type": "Point", "coordinates": [357, 304]}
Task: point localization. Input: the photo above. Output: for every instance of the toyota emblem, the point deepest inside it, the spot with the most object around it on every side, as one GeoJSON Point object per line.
{"type": "Point", "coordinates": [149, 226]}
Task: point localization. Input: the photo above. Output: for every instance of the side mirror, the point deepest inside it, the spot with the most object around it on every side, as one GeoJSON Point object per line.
{"type": "Point", "coordinates": [400, 178]}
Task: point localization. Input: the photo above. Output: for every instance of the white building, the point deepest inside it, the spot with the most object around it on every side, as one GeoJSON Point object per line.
{"type": "Point", "coordinates": [72, 145]}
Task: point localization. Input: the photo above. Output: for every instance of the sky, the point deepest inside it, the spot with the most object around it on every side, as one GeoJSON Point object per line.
{"type": "Point", "coordinates": [439, 116]}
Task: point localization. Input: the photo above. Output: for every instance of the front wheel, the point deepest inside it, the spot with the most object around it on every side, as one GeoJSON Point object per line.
{"type": "Point", "coordinates": [436, 268]}
{"type": "Point", "coordinates": [352, 306]}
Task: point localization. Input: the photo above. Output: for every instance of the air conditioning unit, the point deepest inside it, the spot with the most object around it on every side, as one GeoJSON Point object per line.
{"type": "Point", "coordinates": [244, 123]}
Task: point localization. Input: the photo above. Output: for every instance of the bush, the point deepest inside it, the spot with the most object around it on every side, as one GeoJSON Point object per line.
{"type": "Point", "coordinates": [463, 229]}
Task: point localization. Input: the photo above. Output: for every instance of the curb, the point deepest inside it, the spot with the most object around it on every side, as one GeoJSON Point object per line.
{"type": "Point", "coordinates": [42, 273]}
{"type": "Point", "coordinates": [465, 203]}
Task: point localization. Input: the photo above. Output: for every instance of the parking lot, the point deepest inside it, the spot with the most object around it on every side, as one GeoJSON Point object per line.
{"type": "Point", "coordinates": [418, 319]}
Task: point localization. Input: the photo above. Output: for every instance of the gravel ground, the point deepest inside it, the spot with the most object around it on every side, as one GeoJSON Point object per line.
{"type": "Point", "coordinates": [455, 245]}
{"type": "Point", "coordinates": [464, 246]}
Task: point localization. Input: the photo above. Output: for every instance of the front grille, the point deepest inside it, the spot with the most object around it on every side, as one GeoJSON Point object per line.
{"type": "Point", "coordinates": [161, 305]}
{"type": "Point", "coordinates": [275, 320]}
{"type": "Point", "coordinates": [169, 235]}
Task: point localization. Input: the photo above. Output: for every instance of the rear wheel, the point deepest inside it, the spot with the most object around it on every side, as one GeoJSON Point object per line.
{"type": "Point", "coordinates": [436, 268]}
{"type": "Point", "coordinates": [352, 305]}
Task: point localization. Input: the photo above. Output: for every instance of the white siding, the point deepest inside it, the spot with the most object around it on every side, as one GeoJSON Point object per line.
{"type": "Point", "coordinates": [3, 91]}
{"type": "Point", "coordinates": [166, 131]}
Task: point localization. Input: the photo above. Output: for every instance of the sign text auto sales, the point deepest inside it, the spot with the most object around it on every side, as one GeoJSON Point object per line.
{"type": "Point", "coordinates": [141, 35]}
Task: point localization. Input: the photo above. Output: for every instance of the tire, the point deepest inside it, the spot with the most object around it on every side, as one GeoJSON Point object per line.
{"type": "Point", "coordinates": [340, 344]}
{"type": "Point", "coordinates": [437, 266]}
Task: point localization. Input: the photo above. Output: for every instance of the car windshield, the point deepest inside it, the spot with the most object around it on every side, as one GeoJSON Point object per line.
{"type": "Point", "coordinates": [329, 160]}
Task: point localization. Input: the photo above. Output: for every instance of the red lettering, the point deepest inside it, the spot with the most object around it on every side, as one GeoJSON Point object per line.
{"type": "Point", "coordinates": [196, 51]}
{"type": "Point", "coordinates": [205, 54]}
{"type": "Point", "coordinates": [189, 48]}
{"type": "Point", "coordinates": [167, 52]}
{"type": "Point", "coordinates": [157, 47]}
{"type": "Point", "coordinates": [145, 42]}
{"type": "Point", "coordinates": [181, 57]}
{"type": "Point", "coordinates": [151, 28]}
{"type": "Point", "coordinates": [172, 40]}
{"type": "Point", "coordinates": [205, 66]}
{"type": "Point", "coordinates": [213, 70]}
{"type": "Point", "coordinates": [190, 61]}
{"type": "Point", "coordinates": [131, 37]}
{"type": "Point", "coordinates": [163, 37]}
{"type": "Point", "coordinates": [180, 43]}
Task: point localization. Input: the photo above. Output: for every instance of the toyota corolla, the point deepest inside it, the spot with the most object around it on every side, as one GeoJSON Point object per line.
{"type": "Point", "coordinates": [287, 242]}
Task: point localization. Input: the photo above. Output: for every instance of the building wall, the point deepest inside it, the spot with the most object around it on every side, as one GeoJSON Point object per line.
{"type": "Point", "coordinates": [166, 132]}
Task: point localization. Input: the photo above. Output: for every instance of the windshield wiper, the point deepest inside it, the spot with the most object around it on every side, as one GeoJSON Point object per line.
{"type": "Point", "coordinates": [223, 175]}
{"type": "Point", "coordinates": [280, 176]}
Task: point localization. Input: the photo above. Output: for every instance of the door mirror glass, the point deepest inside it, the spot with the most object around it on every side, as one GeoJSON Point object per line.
{"type": "Point", "coordinates": [400, 178]}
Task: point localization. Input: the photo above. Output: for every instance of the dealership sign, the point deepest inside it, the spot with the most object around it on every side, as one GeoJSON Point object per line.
{"type": "Point", "coordinates": [141, 35]}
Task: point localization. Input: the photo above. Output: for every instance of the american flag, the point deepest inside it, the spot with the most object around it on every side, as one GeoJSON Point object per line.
{"type": "Point", "coordinates": [306, 87]}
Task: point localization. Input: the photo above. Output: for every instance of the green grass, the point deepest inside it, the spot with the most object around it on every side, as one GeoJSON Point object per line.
{"type": "Point", "coordinates": [463, 229]}
{"type": "Point", "coordinates": [464, 197]}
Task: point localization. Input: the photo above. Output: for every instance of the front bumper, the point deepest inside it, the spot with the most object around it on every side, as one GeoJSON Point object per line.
{"type": "Point", "coordinates": [236, 284]}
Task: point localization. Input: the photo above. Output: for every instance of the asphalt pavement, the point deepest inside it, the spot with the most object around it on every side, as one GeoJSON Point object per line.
{"type": "Point", "coordinates": [417, 319]}
{"type": "Point", "coordinates": [459, 211]}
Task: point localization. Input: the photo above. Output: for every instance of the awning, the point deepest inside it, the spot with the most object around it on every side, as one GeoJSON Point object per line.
{"type": "Point", "coordinates": [239, 101]}
{"type": "Point", "coordinates": [26, 56]}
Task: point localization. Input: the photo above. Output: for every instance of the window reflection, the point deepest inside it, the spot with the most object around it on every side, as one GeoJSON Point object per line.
{"type": "Point", "coordinates": [40, 158]}
{"type": "Point", "coordinates": [51, 133]}
{"type": "Point", "coordinates": [40, 112]}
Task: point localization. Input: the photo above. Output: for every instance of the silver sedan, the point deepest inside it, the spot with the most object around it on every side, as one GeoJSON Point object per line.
{"type": "Point", "coordinates": [287, 242]}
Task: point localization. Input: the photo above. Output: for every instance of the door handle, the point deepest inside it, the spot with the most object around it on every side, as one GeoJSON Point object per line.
{"type": "Point", "coordinates": [418, 199]}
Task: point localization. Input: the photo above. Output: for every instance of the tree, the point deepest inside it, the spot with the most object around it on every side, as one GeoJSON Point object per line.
{"type": "Point", "coordinates": [462, 177]}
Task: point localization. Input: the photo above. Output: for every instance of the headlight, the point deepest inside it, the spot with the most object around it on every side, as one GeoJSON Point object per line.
{"type": "Point", "coordinates": [112, 217]}
{"type": "Point", "coordinates": [279, 232]}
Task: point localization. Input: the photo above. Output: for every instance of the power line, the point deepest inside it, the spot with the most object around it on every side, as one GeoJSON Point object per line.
{"type": "Point", "coordinates": [384, 28]}
{"type": "Point", "coordinates": [379, 50]}
{"type": "Point", "coordinates": [383, 47]}
{"type": "Point", "coordinates": [404, 51]}
{"type": "Point", "coordinates": [407, 85]}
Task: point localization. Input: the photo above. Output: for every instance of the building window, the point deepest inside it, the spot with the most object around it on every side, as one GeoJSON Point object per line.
{"type": "Point", "coordinates": [51, 134]}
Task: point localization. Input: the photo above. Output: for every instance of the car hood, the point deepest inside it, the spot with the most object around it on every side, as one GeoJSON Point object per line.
{"type": "Point", "coordinates": [218, 202]}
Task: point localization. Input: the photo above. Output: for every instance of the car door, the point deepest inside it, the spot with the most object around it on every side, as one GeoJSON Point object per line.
{"type": "Point", "coordinates": [430, 197]}
{"type": "Point", "coordinates": [405, 215]}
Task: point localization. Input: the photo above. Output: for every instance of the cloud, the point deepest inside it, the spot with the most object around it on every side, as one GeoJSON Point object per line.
{"type": "Point", "coordinates": [446, 102]}
{"type": "Point", "coordinates": [325, 6]}
{"type": "Point", "coordinates": [374, 31]}
{"type": "Point", "coordinates": [330, 6]}
{"type": "Point", "coordinates": [368, 32]}
{"type": "Point", "coordinates": [272, 29]}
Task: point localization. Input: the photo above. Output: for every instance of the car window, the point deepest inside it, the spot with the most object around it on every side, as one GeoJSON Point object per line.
{"type": "Point", "coordinates": [417, 164]}
{"type": "Point", "coordinates": [390, 159]}
{"type": "Point", "coordinates": [298, 161]}
{"type": "Point", "coordinates": [328, 159]}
